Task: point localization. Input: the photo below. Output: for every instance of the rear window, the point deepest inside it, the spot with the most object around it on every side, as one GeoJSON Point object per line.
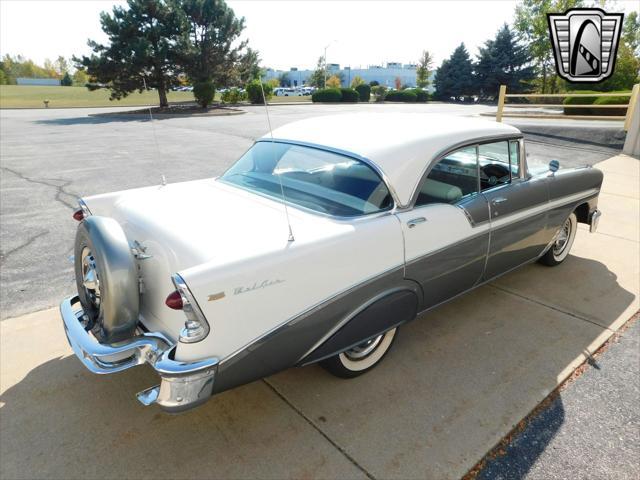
{"type": "Point", "coordinates": [316, 179]}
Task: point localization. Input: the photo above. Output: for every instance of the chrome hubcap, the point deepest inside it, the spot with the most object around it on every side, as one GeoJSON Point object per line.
{"type": "Point", "coordinates": [562, 238]}
{"type": "Point", "coordinates": [90, 280]}
{"type": "Point", "coordinates": [364, 349]}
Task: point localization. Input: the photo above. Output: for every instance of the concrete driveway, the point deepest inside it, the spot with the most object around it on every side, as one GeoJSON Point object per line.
{"type": "Point", "coordinates": [456, 382]}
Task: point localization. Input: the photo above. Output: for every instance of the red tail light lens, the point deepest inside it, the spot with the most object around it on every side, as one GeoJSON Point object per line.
{"type": "Point", "coordinates": [78, 215]}
{"type": "Point", "coordinates": [174, 300]}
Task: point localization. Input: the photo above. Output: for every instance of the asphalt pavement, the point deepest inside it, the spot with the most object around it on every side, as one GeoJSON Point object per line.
{"type": "Point", "coordinates": [50, 157]}
{"type": "Point", "coordinates": [590, 431]}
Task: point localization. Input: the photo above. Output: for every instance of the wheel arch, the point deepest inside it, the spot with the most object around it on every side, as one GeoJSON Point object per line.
{"type": "Point", "coordinates": [381, 313]}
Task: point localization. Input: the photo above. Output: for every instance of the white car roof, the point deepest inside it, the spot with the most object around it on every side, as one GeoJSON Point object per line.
{"type": "Point", "coordinates": [400, 145]}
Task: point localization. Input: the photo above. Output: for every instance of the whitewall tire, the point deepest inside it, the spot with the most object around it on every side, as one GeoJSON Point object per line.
{"type": "Point", "coordinates": [361, 358]}
{"type": "Point", "coordinates": [559, 249]}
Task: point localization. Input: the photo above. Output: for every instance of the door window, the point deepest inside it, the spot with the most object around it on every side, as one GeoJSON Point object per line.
{"type": "Point", "coordinates": [451, 179]}
{"type": "Point", "coordinates": [499, 163]}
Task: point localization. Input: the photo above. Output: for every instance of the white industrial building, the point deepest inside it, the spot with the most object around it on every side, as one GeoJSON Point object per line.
{"type": "Point", "coordinates": [383, 75]}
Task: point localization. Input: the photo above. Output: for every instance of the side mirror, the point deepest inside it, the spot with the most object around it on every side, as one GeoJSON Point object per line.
{"type": "Point", "coordinates": [554, 166]}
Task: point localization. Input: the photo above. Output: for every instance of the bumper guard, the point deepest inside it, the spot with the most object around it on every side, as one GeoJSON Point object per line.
{"type": "Point", "coordinates": [183, 384]}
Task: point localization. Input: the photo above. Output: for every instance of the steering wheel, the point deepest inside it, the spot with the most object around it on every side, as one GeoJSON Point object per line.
{"type": "Point", "coordinates": [495, 173]}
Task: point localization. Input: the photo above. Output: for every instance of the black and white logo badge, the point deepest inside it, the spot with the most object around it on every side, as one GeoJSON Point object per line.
{"type": "Point", "coordinates": [585, 42]}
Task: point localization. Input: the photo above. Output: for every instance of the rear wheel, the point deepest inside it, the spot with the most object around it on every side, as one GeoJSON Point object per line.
{"type": "Point", "coordinates": [561, 246]}
{"type": "Point", "coordinates": [361, 358]}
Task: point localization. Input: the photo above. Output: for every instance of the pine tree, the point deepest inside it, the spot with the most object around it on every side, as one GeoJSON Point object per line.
{"type": "Point", "coordinates": [455, 78]}
{"type": "Point", "coordinates": [503, 61]}
{"type": "Point", "coordinates": [142, 49]}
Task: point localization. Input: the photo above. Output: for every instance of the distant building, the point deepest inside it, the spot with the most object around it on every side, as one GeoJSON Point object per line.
{"type": "Point", "coordinates": [383, 75]}
{"type": "Point", "coordinates": [50, 82]}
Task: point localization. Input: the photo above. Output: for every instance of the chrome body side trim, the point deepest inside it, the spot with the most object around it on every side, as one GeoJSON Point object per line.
{"type": "Point", "coordinates": [594, 220]}
{"type": "Point", "coordinates": [183, 384]}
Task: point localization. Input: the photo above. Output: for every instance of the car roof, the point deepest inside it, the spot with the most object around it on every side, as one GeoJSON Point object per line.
{"type": "Point", "coordinates": [400, 145]}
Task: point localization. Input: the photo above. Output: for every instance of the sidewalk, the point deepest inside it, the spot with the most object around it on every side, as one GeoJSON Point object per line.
{"type": "Point", "coordinates": [455, 383]}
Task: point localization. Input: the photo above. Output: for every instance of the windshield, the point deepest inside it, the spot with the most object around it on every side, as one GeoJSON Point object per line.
{"type": "Point", "coordinates": [312, 178]}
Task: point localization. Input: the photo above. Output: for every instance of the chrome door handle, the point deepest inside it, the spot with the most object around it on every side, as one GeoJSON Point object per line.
{"type": "Point", "coordinates": [415, 221]}
{"type": "Point", "coordinates": [499, 200]}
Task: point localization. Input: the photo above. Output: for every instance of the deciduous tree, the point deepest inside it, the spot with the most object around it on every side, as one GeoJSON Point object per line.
{"type": "Point", "coordinates": [423, 71]}
{"type": "Point", "coordinates": [333, 82]}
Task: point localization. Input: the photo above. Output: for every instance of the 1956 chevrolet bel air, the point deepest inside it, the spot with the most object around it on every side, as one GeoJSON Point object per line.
{"type": "Point", "coordinates": [315, 246]}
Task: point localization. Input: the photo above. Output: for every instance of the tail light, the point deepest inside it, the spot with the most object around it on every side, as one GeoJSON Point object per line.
{"type": "Point", "coordinates": [174, 300]}
{"type": "Point", "coordinates": [78, 215]}
{"type": "Point", "coordinates": [196, 327]}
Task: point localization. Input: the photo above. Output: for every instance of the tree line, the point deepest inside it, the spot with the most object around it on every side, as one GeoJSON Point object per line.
{"type": "Point", "coordinates": [163, 44]}
{"type": "Point", "coordinates": [14, 67]}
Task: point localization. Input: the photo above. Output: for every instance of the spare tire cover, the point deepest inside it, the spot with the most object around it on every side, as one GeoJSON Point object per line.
{"type": "Point", "coordinates": [107, 279]}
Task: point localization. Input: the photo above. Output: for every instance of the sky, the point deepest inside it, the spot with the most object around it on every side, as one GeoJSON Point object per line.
{"type": "Point", "coordinates": [286, 33]}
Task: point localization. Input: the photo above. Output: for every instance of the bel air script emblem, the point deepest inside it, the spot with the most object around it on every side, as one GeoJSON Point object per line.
{"type": "Point", "coordinates": [256, 286]}
{"type": "Point", "coordinates": [585, 42]}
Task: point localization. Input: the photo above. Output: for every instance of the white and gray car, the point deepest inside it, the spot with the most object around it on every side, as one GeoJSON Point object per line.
{"type": "Point", "coordinates": [315, 246]}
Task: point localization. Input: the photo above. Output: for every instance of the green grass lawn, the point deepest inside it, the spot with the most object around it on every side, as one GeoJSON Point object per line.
{"type": "Point", "coordinates": [27, 96]}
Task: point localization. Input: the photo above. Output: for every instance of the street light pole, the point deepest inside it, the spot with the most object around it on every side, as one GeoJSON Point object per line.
{"type": "Point", "coordinates": [325, 62]}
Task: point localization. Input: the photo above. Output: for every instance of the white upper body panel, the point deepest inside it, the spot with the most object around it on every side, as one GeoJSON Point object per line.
{"type": "Point", "coordinates": [400, 145]}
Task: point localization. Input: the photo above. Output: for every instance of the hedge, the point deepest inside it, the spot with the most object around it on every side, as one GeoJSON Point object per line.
{"type": "Point", "coordinates": [349, 95]}
{"type": "Point", "coordinates": [364, 92]}
{"type": "Point", "coordinates": [421, 95]}
{"type": "Point", "coordinates": [327, 95]}
{"type": "Point", "coordinates": [401, 96]}
{"type": "Point", "coordinates": [622, 110]}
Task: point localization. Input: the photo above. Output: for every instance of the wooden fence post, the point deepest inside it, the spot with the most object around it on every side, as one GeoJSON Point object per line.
{"type": "Point", "coordinates": [503, 92]}
{"type": "Point", "coordinates": [633, 101]}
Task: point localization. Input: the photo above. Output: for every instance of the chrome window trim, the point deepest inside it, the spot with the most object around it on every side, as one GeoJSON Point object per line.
{"type": "Point", "coordinates": [344, 153]}
{"type": "Point", "coordinates": [467, 143]}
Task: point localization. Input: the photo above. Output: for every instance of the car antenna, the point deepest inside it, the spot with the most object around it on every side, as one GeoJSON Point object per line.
{"type": "Point", "coordinates": [273, 147]}
{"type": "Point", "coordinates": [163, 180]}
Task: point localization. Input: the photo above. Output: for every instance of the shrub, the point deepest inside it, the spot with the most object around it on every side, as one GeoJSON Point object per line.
{"type": "Point", "coordinates": [364, 92]}
{"type": "Point", "coordinates": [254, 92]}
{"type": "Point", "coordinates": [408, 96]}
{"type": "Point", "coordinates": [374, 83]}
{"type": "Point", "coordinates": [421, 95]}
{"type": "Point", "coordinates": [348, 95]}
{"type": "Point", "coordinates": [380, 91]}
{"type": "Point", "coordinates": [204, 91]}
{"type": "Point", "coordinates": [621, 110]}
{"type": "Point", "coordinates": [327, 95]}
{"type": "Point", "coordinates": [233, 95]}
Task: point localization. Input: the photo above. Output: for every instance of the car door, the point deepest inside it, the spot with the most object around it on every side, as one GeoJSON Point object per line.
{"type": "Point", "coordinates": [446, 233]}
{"type": "Point", "coordinates": [517, 205]}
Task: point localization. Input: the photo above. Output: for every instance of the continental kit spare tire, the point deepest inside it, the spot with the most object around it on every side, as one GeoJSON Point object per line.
{"type": "Point", "coordinates": [107, 279]}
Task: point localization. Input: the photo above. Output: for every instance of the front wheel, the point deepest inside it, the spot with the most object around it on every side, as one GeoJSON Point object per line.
{"type": "Point", "coordinates": [560, 247]}
{"type": "Point", "coordinates": [361, 358]}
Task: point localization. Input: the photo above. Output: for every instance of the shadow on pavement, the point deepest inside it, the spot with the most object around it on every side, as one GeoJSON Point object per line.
{"type": "Point", "coordinates": [458, 379]}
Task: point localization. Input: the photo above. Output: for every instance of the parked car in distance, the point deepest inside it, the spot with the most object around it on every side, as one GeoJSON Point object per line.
{"type": "Point", "coordinates": [287, 92]}
{"type": "Point", "coordinates": [317, 245]}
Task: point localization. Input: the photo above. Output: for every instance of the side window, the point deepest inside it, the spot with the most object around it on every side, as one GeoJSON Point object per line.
{"type": "Point", "coordinates": [499, 163]}
{"type": "Point", "coordinates": [451, 179]}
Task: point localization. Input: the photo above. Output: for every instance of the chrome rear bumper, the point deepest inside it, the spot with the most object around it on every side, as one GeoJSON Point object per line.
{"type": "Point", "coordinates": [183, 384]}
